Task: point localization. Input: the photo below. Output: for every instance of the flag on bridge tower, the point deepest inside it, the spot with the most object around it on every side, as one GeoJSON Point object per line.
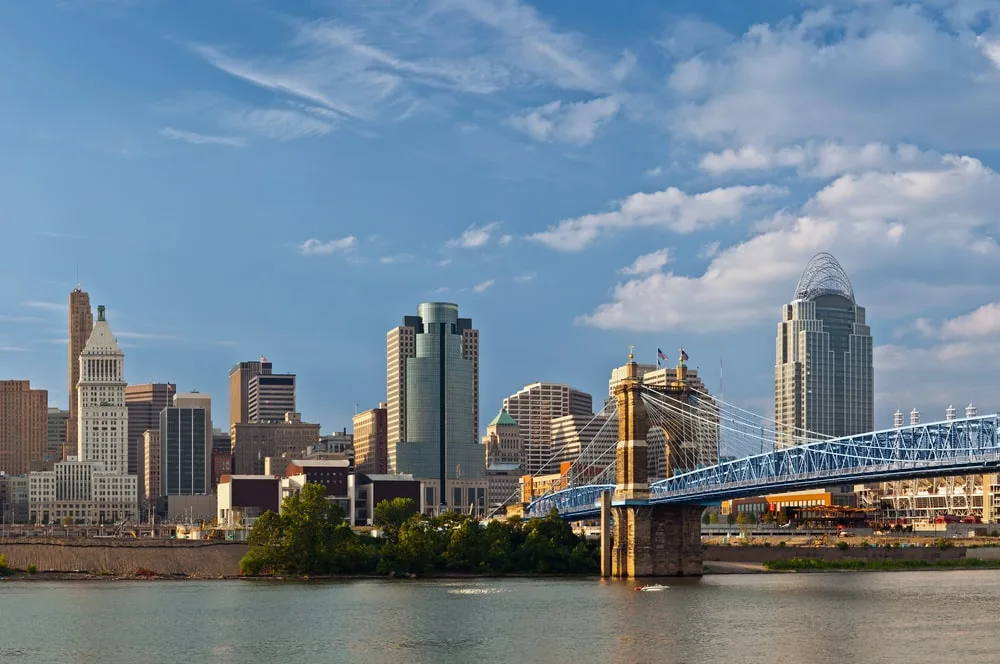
{"type": "Point", "coordinates": [684, 356]}
{"type": "Point", "coordinates": [660, 355]}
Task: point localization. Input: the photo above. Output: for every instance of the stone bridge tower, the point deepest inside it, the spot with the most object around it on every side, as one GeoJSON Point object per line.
{"type": "Point", "coordinates": [639, 539]}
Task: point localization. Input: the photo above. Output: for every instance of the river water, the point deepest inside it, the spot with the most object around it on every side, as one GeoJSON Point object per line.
{"type": "Point", "coordinates": [836, 618]}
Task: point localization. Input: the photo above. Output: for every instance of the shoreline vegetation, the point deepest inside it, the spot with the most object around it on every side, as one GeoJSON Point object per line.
{"type": "Point", "coordinates": [311, 538]}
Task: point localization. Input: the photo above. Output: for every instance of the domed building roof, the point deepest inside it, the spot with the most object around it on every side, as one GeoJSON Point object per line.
{"type": "Point", "coordinates": [824, 276]}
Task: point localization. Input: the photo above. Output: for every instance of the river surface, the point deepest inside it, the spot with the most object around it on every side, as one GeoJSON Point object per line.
{"type": "Point", "coordinates": [835, 618]}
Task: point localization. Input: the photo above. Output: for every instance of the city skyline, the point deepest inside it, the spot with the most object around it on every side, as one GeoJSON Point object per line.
{"type": "Point", "coordinates": [631, 196]}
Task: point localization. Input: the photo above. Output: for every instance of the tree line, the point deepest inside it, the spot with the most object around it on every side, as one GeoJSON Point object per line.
{"type": "Point", "coordinates": [310, 537]}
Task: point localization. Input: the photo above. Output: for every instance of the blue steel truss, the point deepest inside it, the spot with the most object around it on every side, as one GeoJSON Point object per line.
{"type": "Point", "coordinates": [936, 449]}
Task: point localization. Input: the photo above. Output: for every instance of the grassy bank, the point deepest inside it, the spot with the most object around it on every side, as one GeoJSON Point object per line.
{"type": "Point", "coordinates": [883, 564]}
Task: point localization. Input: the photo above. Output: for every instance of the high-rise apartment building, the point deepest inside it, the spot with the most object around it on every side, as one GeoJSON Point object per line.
{"type": "Point", "coordinates": [24, 426]}
{"type": "Point", "coordinates": [58, 433]}
{"type": "Point", "coordinates": [438, 380]}
{"type": "Point", "coordinates": [94, 486]}
{"type": "Point", "coordinates": [371, 441]}
{"type": "Point", "coordinates": [144, 403]}
{"type": "Point", "coordinates": [185, 450]}
{"type": "Point", "coordinates": [823, 374]}
{"type": "Point", "coordinates": [534, 407]}
{"type": "Point", "coordinates": [81, 324]}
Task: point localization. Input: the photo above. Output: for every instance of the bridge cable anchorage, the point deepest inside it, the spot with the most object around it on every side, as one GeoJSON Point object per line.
{"type": "Point", "coordinates": [605, 414]}
{"type": "Point", "coordinates": [813, 435]}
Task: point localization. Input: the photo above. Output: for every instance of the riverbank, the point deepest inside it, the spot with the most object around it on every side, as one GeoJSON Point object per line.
{"type": "Point", "coordinates": [125, 560]}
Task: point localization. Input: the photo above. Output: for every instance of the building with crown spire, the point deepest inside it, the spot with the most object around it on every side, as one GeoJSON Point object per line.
{"type": "Point", "coordinates": [95, 485]}
{"type": "Point", "coordinates": [823, 373]}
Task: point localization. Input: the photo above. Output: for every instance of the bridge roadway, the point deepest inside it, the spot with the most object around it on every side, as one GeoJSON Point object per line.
{"type": "Point", "coordinates": [957, 447]}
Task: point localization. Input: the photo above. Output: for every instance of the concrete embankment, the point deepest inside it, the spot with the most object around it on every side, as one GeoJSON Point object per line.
{"type": "Point", "coordinates": [760, 554]}
{"type": "Point", "coordinates": [196, 559]}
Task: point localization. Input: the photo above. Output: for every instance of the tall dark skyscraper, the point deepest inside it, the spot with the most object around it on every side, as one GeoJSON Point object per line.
{"type": "Point", "coordinates": [433, 367]}
{"type": "Point", "coordinates": [144, 403]}
{"type": "Point", "coordinates": [81, 323]}
{"type": "Point", "coordinates": [823, 374]}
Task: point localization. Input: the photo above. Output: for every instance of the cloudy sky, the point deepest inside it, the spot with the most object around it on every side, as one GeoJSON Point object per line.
{"type": "Point", "coordinates": [247, 177]}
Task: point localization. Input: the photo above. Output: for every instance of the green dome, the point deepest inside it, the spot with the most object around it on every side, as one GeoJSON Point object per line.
{"type": "Point", "coordinates": [503, 417]}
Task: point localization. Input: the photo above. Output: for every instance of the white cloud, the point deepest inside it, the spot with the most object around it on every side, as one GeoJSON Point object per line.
{"type": "Point", "coordinates": [313, 246]}
{"type": "Point", "coordinates": [670, 208]}
{"type": "Point", "coordinates": [566, 122]}
{"type": "Point", "coordinates": [279, 124]}
{"type": "Point", "coordinates": [991, 49]}
{"type": "Point", "coordinates": [484, 286]}
{"type": "Point", "coordinates": [473, 237]}
{"type": "Point", "coordinates": [148, 336]}
{"type": "Point", "coordinates": [654, 172]}
{"type": "Point", "coordinates": [820, 160]}
{"type": "Point", "coordinates": [647, 263]}
{"type": "Point", "coordinates": [850, 71]}
{"type": "Point", "coordinates": [624, 66]}
{"type": "Point", "coordinates": [20, 319]}
{"type": "Point", "coordinates": [396, 258]}
{"type": "Point", "coordinates": [202, 139]}
{"type": "Point", "coordinates": [13, 349]}
{"type": "Point", "coordinates": [504, 240]}
{"type": "Point", "coordinates": [374, 62]}
{"type": "Point", "coordinates": [47, 306]}
{"type": "Point", "coordinates": [897, 234]}
{"type": "Point", "coordinates": [525, 278]}
{"type": "Point", "coordinates": [983, 322]}
{"type": "Point", "coordinates": [966, 353]}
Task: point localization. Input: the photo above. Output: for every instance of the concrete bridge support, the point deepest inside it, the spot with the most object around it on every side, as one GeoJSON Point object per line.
{"type": "Point", "coordinates": [645, 539]}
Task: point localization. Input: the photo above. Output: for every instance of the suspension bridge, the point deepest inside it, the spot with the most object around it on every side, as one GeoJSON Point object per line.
{"type": "Point", "coordinates": [656, 455]}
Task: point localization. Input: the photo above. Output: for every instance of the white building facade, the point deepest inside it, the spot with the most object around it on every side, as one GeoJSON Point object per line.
{"type": "Point", "coordinates": [94, 486]}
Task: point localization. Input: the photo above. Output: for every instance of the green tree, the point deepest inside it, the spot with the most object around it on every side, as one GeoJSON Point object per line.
{"type": "Point", "coordinates": [301, 540]}
{"type": "Point", "coordinates": [713, 518]}
{"type": "Point", "coordinates": [390, 515]}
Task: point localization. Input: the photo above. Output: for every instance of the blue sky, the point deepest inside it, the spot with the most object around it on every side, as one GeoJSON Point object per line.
{"type": "Point", "coordinates": [290, 178]}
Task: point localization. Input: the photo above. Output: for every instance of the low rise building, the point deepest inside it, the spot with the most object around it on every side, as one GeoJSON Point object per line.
{"type": "Point", "coordinates": [368, 490]}
{"type": "Point", "coordinates": [13, 498]}
{"type": "Point", "coordinates": [242, 499]}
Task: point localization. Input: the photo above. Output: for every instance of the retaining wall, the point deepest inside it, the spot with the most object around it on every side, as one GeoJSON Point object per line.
{"type": "Point", "coordinates": [123, 557]}
{"type": "Point", "coordinates": [759, 554]}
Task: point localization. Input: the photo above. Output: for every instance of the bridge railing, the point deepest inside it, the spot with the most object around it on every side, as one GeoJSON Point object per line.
{"type": "Point", "coordinates": [920, 450]}
{"type": "Point", "coordinates": [568, 501]}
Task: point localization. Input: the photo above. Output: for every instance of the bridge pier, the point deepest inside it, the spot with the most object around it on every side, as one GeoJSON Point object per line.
{"type": "Point", "coordinates": [646, 539]}
{"type": "Point", "coordinates": [606, 534]}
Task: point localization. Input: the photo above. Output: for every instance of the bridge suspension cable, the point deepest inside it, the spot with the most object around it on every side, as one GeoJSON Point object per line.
{"type": "Point", "coordinates": [606, 414]}
{"type": "Point", "coordinates": [751, 439]}
{"type": "Point", "coordinates": [756, 418]}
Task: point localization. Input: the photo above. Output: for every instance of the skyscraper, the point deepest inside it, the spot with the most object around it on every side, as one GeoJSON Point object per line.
{"type": "Point", "coordinates": [239, 386]}
{"type": "Point", "coordinates": [185, 451]}
{"type": "Point", "coordinates": [144, 403]}
{"type": "Point", "coordinates": [270, 396]}
{"type": "Point", "coordinates": [534, 407]}
{"type": "Point", "coordinates": [95, 487]}
{"type": "Point", "coordinates": [437, 378]}
{"type": "Point", "coordinates": [81, 323]}
{"type": "Point", "coordinates": [823, 374]}
{"type": "Point", "coordinates": [24, 426]}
